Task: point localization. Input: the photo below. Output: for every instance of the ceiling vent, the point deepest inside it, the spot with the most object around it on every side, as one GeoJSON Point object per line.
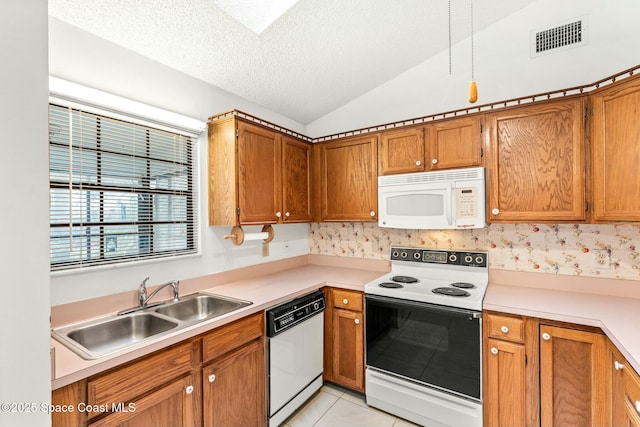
{"type": "Point", "coordinates": [559, 37]}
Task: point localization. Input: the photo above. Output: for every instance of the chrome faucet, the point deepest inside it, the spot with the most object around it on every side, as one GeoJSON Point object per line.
{"type": "Point", "coordinates": [143, 299]}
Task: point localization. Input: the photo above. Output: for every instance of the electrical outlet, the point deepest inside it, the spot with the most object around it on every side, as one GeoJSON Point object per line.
{"type": "Point", "coordinates": [602, 259]}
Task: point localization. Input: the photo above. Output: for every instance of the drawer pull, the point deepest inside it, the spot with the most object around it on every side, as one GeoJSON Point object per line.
{"type": "Point", "coordinates": [418, 163]}
{"type": "Point", "coordinates": [619, 366]}
{"type": "Point", "coordinates": [357, 321]}
{"type": "Point", "coordinates": [494, 350]}
{"type": "Point", "coordinates": [638, 406]}
{"type": "Point", "coordinates": [189, 389]}
{"type": "Point", "coordinates": [212, 378]}
{"type": "Point", "coordinates": [345, 301]}
{"type": "Point", "coordinates": [504, 329]}
{"type": "Point", "coordinates": [546, 336]}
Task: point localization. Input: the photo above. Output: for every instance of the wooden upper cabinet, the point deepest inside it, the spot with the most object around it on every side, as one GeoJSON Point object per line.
{"type": "Point", "coordinates": [349, 186]}
{"type": "Point", "coordinates": [258, 174]}
{"type": "Point", "coordinates": [615, 136]}
{"type": "Point", "coordinates": [537, 163]}
{"type": "Point", "coordinates": [401, 151]}
{"type": "Point", "coordinates": [296, 180]}
{"type": "Point", "coordinates": [573, 377]}
{"type": "Point", "coordinates": [455, 143]}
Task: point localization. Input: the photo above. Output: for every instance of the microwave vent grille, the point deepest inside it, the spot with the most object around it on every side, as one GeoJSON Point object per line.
{"type": "Point", "coordinates": [433, 177]}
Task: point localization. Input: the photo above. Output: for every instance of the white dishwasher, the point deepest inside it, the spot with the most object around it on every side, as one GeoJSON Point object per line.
{"type": "Point", "coordinates": [295, 338]}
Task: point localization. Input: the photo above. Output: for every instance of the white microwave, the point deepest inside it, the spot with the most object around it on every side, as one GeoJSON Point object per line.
{"type": "Point", "coordinates": [433, 200]}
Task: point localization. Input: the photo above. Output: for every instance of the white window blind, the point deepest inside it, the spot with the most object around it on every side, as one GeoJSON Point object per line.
{"type": "Point", "coordinates": [119, 191]}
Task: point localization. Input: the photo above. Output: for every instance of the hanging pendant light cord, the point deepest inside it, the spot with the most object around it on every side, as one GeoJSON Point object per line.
{"type": "Point", "coordinates": [449, 36]}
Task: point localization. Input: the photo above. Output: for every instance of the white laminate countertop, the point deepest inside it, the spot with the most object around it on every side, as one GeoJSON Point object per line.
{"type": "Point", "coordinates": [561, 299]}
{"type": "Point", "coordinates": [263, 291]}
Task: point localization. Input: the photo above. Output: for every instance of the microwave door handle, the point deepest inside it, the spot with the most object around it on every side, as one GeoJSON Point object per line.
{"type": "Point", "coordinates": [449, 205]}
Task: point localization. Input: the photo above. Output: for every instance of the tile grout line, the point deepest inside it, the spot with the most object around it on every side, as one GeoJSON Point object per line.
{"type": "Point", "coordinates": [329, 408]}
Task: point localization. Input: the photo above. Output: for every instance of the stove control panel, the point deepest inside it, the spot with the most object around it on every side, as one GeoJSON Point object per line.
{"type": "Point", "coordinates": [435, 256]}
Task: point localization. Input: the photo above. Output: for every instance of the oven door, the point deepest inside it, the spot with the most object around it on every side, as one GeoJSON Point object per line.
{"type": "Point", "coordinates": [429, 344]}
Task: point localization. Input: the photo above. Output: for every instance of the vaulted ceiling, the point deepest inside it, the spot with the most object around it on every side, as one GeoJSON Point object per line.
{"type": "Point", "coordinates": [313, 58]}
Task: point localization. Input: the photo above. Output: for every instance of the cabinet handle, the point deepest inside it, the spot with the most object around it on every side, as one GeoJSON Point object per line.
{"type": "Point", "coordinates": [212, 378]}
{"type": "Point", "coordinates": [504, 329]}
{"type": "Point", "coordinates": [287, 214]}
{"type": "Point", "coordinates": [619, 366]}
{"type": "Point", "coordinates": [372, 213]}
{"type": "Point", "coordinates": [546, 336]}
{"type": "Point", "coordinates": [434, 161]}
{"type": "Point", "coordinates": [189, 389]}
{"type": "Point", "coordinates": [494, 350]}
{"type": "Point", "coordinates": [638, 406]}
{"type": "Point", "coordinates": [357, 321]}
{"type": "Point", "coordinates": [495, 211]}
{"type": "Point", "coordinates": [418, 163]}
{"type": "Point", "coordinates": [278, 214]}
{"type": "Point", "coordinates": [345, 301]}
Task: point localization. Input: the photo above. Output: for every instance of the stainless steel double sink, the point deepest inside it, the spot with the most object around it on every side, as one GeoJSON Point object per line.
{"type": "Point", "coordinates": [99, 337]}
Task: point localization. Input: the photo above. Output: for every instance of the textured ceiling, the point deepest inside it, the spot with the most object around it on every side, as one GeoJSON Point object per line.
{"type": "Point", "coordinates": [314, 58]}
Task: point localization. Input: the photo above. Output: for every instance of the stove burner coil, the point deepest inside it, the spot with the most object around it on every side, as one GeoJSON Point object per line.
{"type": "Point", "coordinates": [404, 279]}
{"type": "Point", "coordinates": [391, 285]}
{"type": "Point", "coordinates": [463, 285]}
{"type": "Point", "coordinates": [451, 292]}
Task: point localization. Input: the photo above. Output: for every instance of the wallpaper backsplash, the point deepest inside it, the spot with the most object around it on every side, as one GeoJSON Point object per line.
{"type": "Point", "coordinates": [609, 251]}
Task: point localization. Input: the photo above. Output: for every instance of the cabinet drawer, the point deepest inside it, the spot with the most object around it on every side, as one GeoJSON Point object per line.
{"type": "Point", "coordinates": [138, 377]}
{"type": "Point", "coordinates": [349, 300]}
{"type": "Point", "coordinates": [505, 328]}
{"type": "Point", "coordinates": [632, 388]}
{"type": "Point", "coordinates": [231, 336]}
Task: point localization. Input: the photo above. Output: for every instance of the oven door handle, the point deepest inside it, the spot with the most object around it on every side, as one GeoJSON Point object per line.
{"type": "Point", "coordinates": [460, 312]}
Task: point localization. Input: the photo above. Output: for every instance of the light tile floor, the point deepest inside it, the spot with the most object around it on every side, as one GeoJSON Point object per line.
{"type": "Point", "coordinates": [332, 406]}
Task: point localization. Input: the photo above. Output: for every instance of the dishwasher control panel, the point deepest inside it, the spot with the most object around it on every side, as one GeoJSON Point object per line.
{"type": "Point", "coordinates": [291, 313]}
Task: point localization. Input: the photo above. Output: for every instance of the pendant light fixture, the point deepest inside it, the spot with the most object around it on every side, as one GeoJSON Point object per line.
{"type": "Point", "coordinates": [473, 88]}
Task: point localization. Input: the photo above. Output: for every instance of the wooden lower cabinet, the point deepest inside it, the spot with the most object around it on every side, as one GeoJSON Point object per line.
{"type": "Point", "coordinates": [216, 379]}
{"type": "Point", "coordinates": [572, 377]}
{"type": "Point", "coordinates": [173, 405]}
{"type": "Point", "coordinates": [344, 339]}
{"type": "Point", "coordinates": [505, 364]}
{"type": "Point", "coordinates": [234, 388]}
{"type": "Point", "coordinates": [625, 390]}
{"type": "Point", "coordinates": [544, 373]}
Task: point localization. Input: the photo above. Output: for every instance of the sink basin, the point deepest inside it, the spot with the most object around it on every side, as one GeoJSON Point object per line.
{"type": "Point", "coordinates": [98, 338]}
{"type": "Point", "coordinates": [200, 306]}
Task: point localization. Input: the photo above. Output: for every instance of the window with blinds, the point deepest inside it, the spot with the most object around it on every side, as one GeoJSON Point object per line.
{"type": "Point", "coordinates": [119, 191]}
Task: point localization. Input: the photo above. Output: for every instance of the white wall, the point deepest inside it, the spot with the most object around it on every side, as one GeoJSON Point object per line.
{"type": "Point", "coordinates": [25, 369]}
{"type": "Point", "coordinates": [80, 57]}
{"type": "Point", "coordinates": [504, 68]}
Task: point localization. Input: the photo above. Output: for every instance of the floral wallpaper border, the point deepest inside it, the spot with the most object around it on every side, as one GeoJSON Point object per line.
{"type": "Point", "coordinates": [608, 251]}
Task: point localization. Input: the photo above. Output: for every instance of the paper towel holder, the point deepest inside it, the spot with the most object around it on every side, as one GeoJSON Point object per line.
{"type": "Point", "coordinates": [238, 236]}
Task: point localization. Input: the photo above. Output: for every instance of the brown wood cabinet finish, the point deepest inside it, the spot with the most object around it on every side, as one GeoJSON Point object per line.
{"type": "Point", "coordinates": [234, 388]}
{"type": "Point", "coordinates": [615, 153]}
{"type": "Point", "coordinates": [401, 151]}
{"type": "Point", "coordinates": [573, 372]}
{"type": "Point", "coordinates": [631, 381]}
{"type": "Point", "coordinates": [257, 175]}
{"type": "Point", "coordinates": [537, 163]}
{"type": "Point", "coordinates": [349, 179]}
{"type": "Point", "coordinates": [70, 394]}
{"type": "Point", "coordinates": [173, 405]}
{"type": "Point", "coordinates": [505, 364]}
{"type": "Point", "coordinates": [455, 143]}
{"type": "Point", "coordinates": [344, 339]}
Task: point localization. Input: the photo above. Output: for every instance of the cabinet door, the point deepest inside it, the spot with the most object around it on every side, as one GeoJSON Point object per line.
{"type": "Point", "coordinates": [296, 180]}
{"type": "Point", "coordinates": [631, 397]}
{"type": "Point", "coordinates": [454, 143]}
{"type": "Point", "coordinates": [258, 174]}
{"type": "Point", "coordinates": [401, 151]}
{"type": "Point", "coordinates": [234, 389]}
{"type": "Point", "coordinates": [573, 373]}
{"type": "Point", "coordinates": [172, 405]}
{"type": "Point", "coordinates": [615, 154]}
{"type": "Point", "coordinates": [349, 180]}
{"type": "Point", "coordinates": [348, 349]}
{"type": "Point", "coordinates": [504, 376]}
{"type": "Point", "coordinates": [537, 163]}
{"type": "Point", "coordinates": [616, 365]}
